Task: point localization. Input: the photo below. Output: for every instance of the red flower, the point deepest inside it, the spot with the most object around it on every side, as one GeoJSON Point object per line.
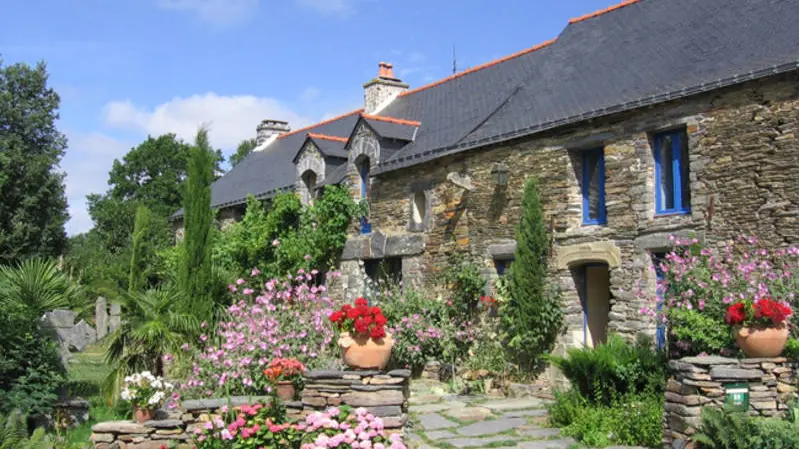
{"type": "Point", "coordinates": [487, 300]}
{"type": "Point", "coordinates": [353, 313]}
{"type": "Point", "coordinates": [775, 311]}
{"type": "Point", "coordinates": [736, 314]}
{"type": "Point", "coordinates": [360, 326]}
{"type": "Point", "coordinates": [361, 302]}
{"type": "Point", "coordinates": [377, 332]}
{"type": "Point", "coordinates": [336, 316]}
{"type": "Point", "coordinates": [380, 320]}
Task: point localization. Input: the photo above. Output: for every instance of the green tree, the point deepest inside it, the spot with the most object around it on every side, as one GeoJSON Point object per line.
{"type": "Point", "coordinates": [244, 149]}
{"type": "Point", "coordinates": [33, 208]}
{"type": "Point", "coordinates": [195, 273]}
{"type": "Point", "coordinates": [141, 227]}
{"type": "Point", "coordinates": [152, 175]}
{"type": "Point", "coordinates": [533, 317]}
{"type": "Point", "coordinates": [155, 324]}
{"type": "Point", "coordinates": [39, 285]}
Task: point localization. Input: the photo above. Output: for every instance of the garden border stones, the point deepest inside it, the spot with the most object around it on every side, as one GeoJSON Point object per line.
{"type": "Point", "coordinates": [697, 382]}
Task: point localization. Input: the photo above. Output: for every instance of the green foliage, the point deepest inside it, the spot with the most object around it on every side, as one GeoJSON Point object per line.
{"type": "Point", "coordinates": [38, 284]}
{"type": "Point", "coordinates": [533, 317]}
{"type": "Point", "coordinates": [98, 271]}
{"type": "Point", "coordinates": [462, 278]}
{"type": "Point", "coordinates": [34, 205]}
{"type": "Point", "coordinates": [30, 369]}
{"type": "Point", "coordinates": [633, 420]}
{"type": "Point", "coordinates": [705, 332]}
{"type": "Point", "coordinates": [139, 249]}
{"type": "Point", "coordinates": [244, 149]}
{"type": "Point", "coordinates": [194, 275]}
{"type": "Point", "coordinates": [731, 428]}
{"type": "Point", "coordinates": [614, 369]}
{"type": "Point", "coordinates": [277, 241]}
{"type": "Point", "coordinates": [792, 349]}
{"type": "Point", "coordinates": [14, 433]}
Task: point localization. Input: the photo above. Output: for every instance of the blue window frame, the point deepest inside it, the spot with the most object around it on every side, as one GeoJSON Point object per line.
{"type": "Point", "coordinates": [660, 333]}
{"type": "Point", "coordinates": [672, 184]}
{"type": "Point", "coordinates": [366, 227]}
{"type": "Point", "coordinates": [594, 187]}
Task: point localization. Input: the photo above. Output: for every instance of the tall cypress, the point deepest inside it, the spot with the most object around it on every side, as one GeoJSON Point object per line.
{"type": "Point", "coordinates": [533, 316]}
{"type": "Point", "coordinates": [195, 270]}
{"type": "Point", "coordinates": [141, 227]}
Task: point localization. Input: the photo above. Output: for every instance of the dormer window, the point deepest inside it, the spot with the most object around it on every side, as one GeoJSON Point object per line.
{"type": "Point", "coordinates": [309, 186]}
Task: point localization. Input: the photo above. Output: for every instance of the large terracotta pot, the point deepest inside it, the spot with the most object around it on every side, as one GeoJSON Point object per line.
{"type": "Point", "coordinates": [362, 352]}
{"type": "Point", "coordinates": [142, 415]}
{"type": "Point", "coordinates": [762, 341]}
{"type": "Point", "coordinates": [286, 390]}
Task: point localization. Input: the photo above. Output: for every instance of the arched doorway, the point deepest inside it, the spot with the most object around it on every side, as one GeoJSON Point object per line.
{"type": "Point", "coordinates": [593, 282]}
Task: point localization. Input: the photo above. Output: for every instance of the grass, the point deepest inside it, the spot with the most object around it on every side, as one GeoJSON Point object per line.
{"type": "Point", "coordinates": [87, 371]}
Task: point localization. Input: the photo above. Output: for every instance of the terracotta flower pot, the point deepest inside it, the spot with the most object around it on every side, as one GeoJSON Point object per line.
{"type": "Point", "coordinates": [142, 415]}
{"type": "Point", "coordinates": [762, 341]}
{"type": "Point", "coordinates": [286, 390]}
{"type": "Point", "coordinates": [362, 352]}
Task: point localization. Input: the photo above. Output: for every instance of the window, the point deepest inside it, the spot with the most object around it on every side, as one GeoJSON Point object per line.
{"type": "Point", "coordinates": [363, 172]}
{"type": "Point", "coordinates": [594, 187]}
{"type": "Point", "coordinates": [502, 266]}
{"type": "Point", "coordinates": [418, 219]}
{"type": "Point", "coordinates": [309, 181]}
{"type": "Point", "coordinates": [672, 188]}
{"type": "Point", "coordinates": [384, 270]}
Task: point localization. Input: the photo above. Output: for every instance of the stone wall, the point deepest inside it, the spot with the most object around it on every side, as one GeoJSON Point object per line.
{"type": "Point", "coordinates": [743, 152]}
{"type": "Point", "coordinates": [384, 394]}
{"type": "Point", "coordinates": [697, 382]}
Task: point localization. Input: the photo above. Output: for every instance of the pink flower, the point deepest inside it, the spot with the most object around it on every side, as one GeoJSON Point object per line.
{"type": "Point", "coordinates": [240, 281]}
{"type": "Point", "coordinates": [275, 242]}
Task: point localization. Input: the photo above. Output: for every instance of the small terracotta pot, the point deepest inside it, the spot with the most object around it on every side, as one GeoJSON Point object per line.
{"type": "Point", "coordinates": [142, 415]}
{"type": "Point", "coordinates": [286, 390]}
{"type": "Point", "coordinates": [760, 342]}
{"type": "Point", "coordinates": [362, 352]}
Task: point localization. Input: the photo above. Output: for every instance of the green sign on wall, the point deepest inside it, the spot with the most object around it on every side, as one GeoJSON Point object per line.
{"type": "Point", "coordinates": [737, 395]}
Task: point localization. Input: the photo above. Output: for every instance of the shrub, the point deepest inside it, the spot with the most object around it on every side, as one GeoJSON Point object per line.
{"type": "Point", "coordinates": [14, 433]}
{"type": "Point", "coordinates": [614, 369]}
{"type": "Point", "coordinates": [465, 284]}
{"type": "Point", "coordinates": [731, 428]}
{"type": "Point", "coordinates": [533, 317]}
{"type": "Point", "coordinates": [633, 420]}
{"type": "Point", "coordinates": [288, 318]}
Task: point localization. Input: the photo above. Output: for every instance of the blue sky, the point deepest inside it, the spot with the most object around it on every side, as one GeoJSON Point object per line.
{"type": "Point", "coordinates": [129, 68]}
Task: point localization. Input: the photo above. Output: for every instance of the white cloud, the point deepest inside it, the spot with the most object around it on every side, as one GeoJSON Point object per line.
{"type": "Point", "coordinates": [339, 7]}
{"type": "Point", "coordinates": [230, 118]}
{"type": "Point", "coordinates": [87, 162]}
{"type": "Point", "coordinates": [217, 12]}
{"type": "Point", "coordinates": [310, 93]}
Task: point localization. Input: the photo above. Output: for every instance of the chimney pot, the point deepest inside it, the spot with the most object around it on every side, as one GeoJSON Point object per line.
{"type": "Point", "coordinates": [385, 70]}
{"type": "Point", "coordinates": [268, 128]}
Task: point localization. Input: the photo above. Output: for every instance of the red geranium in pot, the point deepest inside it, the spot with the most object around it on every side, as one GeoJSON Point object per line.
{"type": "Point", "coordinates": [760, 326]}
{"type": "Point", "coordinates": [364, 342]}
{"type": "Point", "coordinates": [285, 373]}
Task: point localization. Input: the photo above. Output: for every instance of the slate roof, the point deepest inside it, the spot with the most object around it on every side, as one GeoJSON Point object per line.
{"type": "Point", "coordinates": [637, 53]}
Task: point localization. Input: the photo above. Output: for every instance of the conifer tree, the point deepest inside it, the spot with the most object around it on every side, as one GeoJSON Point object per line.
{"type": "Point", "coordinates": [195, 270]}
{"type": "Point", "coordinates": [140, 229]}
{"type": "Point", "coordinates": [533, 316]}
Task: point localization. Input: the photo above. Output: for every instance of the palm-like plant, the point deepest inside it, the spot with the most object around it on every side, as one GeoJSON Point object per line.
{"type": "Point", "coordinates": [14, 434]}
{"type": "Point", "coordinates": [154, 325]}
{"type": "Point", "coordinates": [39, 285]}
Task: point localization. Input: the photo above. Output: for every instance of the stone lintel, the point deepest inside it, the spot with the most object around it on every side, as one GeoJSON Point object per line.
{"type": "Point", "coordinates": [378, 245]}
{"type": "Point", "coordinates": [502, 251]}
{"type": "Point", "coordinates": [582, 253]}
{"type": "Point", "coordinates": [661, 241]}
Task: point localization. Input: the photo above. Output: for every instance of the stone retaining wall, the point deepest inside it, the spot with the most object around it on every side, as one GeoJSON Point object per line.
{"type": "Point", "coordinates": [384, 394]}
{"type": "Point", "coordinates": [697, 382]}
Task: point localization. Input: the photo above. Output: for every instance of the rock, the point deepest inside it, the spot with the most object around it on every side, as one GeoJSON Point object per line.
{"type": "Point", "coordinates": [395, 422]}
{"type": "Point", "coordinates": [376, 387]}
{"type": "Point", "coordinates": [535, 413]}
{"type": "Point", "coordinates": [215, 403]}
{"type": "Point", "coordinates": [164, 424]}
{"type": "Point", "coordinates": [127, 427]}
{"type": "Point", "coordinates": [735, 373]}
{"type": "Point", "coordinates": [385, 410]}
{"type": "Point", "coordinates": [515, 404]}
{"type": "Point", "coordinates": [564, 443]}
{"type": "Point", "coordinates": [523, 390]}
{"type": "Point", "coordinates": [469, 413]}
{"type": "Point", "coordinates": [389, 381]}
{"type": "Point", "coordinates": [372, 399]}
{"type": "Point", "coordinates": [434, 421]}
{"type": "Point", "coordinates": [440, 434]}
{"type": "Point", "coordinates": [314, 401]}
{"type": "Point", "coordinates": [497, 441]}
{"type": "Point", "coordinates": [437, 407]}
{"type": "Point", "coordinates": [709, 360]}
{"type": "Point", "coordinates": [102, 437]}
{"type": "Point", "coordinates": [491, 427]}
{"type": "Point", "coordinates": [404, 373]}
{"type": "Point", "coordinates": [540, 433]}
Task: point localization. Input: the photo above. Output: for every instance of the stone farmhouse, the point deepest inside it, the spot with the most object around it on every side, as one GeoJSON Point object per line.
{"type": "Point", "coordinates": [648, 119]}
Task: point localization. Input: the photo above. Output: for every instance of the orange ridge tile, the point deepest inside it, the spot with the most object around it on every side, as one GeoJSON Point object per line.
{"type": "Point", "coordinates": [325, 137]}
{"type": "Point", "coordinates": [603, 11]}
{"type": "Point", "coordinates": [392, 120]}
{"type": "Point", "coordinates": [306, 128]}
{"type": "Point", "coordinates": [479, 67]}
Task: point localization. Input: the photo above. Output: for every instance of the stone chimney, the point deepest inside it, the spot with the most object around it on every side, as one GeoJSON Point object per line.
{"type": "Point", "coordinates": [269, 129]}
{"type": "Point", "coordinates": [377, 92]}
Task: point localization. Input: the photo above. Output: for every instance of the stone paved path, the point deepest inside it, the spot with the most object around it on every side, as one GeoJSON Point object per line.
{"type": "Point", "coordinates": [441, 421]}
